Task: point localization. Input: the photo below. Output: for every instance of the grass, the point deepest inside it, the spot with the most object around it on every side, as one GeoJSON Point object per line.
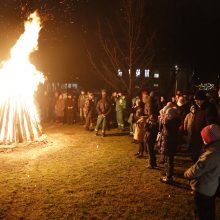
{"type": "Point", "coordinates": [76, 175]}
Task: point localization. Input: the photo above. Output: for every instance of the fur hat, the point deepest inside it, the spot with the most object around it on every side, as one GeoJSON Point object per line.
{"type": "Point", "coordinates": [210, 133]}
{"type": "Point", "coordinates": [171, 112]}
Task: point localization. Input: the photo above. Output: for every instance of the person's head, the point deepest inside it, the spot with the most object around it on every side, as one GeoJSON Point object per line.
{"type": "Point", "coordinates": [45, 93]}
{"type": "Point", "coordinates": [103, 93]}
{"type": "Point", "coordinates": [219, 93]}
{"type": "Point", "coordinates": [162, 99]}
{"type": "Point", "coordinates": [69, 96]}
{"type": "Point", "coordinates": [193, 109]}
{"type": "Point", "coordinates": [200, 98]}
{"type": "Point", "coordinates": [138, 102]}
{"type": "Point", "coordinates": [56, 94]}
{"type": "Point", "coordinates": [119, 93]}
{"type": "Point", "coordinates": [173, 99]}
{"type": "Point", "coordinates": [82, 92]}
{"type": "Point", "coordinates": [210, 133]}
{"type": "Point", "coordinates": [91, 96]}
{"type": "Point", "coordinates": [60, 96]}
{"type": "Point", "coordinates": [114, 94]}
{"type": "Point", "coordinates": [170, 113]}
{"type": "Point", "coordinates": [180, 101]}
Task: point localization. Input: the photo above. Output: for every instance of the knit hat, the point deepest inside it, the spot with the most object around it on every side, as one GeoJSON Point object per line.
{"type": "Point", "coordinates": [171, 112]}
{"type": "Point", "coordinates": [210, 133]}
{"type": "Point", "coordinates": [200, 95]}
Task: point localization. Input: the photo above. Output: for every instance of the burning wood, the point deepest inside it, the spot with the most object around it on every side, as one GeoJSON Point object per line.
{"type": "Point", "coordinates": [19, 79]}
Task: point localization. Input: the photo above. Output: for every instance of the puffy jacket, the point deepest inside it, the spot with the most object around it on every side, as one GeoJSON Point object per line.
{"type": "Point", "coordinates": [103, 106]}
{"type": "Point", "coordinates": [205, 173]}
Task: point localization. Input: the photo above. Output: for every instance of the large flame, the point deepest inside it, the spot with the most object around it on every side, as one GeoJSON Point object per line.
{"type": "Point", "coordinates": [19, 80]}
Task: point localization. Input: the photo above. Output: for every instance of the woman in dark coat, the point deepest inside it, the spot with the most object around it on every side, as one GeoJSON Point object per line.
{"type": "Point", "coordinates": [170, 128]}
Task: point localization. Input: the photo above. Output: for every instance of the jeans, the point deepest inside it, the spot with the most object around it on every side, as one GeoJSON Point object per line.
{"type": "Point", "coordinates": [101, 121]}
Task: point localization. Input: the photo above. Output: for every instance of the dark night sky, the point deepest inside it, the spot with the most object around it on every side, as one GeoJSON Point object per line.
{"type": "Point", "coordinates": [188, 33]}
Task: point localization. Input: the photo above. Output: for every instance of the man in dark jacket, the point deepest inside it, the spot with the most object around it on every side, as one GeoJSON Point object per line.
{"type": "Point", "coordinates": [90, 111]}
{"type": "Point", "coordinates": [103, 108]}
{"type": "Point", "coordinates": [206, 114]}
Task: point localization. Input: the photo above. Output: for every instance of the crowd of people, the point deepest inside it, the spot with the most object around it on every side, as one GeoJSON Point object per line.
{"type": "Point", "coordinates": [157, 126]}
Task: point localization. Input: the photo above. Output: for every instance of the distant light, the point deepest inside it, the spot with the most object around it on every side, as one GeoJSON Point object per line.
{"type": "Point", "coordinates": [146, 73]}
{"type": "Point", "coordinates": [176, 67]}
{"type": "Point", "coordinates": [119, 73]}
{"type": "Point", "coordinates": [129, 71]}
{"type": "Point", "coordinates": [138, 73]}
{"type": "Point", "coordinates": [156, 75]}
{"type": "Point", "coordinates": [156, 85]}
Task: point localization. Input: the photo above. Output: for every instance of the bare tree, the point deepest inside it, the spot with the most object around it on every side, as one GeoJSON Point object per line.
{"type": "Point", "coordinates": [126, 44]}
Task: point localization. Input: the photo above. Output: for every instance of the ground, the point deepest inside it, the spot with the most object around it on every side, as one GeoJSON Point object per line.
{"type": "Point", "coordinates": [72, 174]}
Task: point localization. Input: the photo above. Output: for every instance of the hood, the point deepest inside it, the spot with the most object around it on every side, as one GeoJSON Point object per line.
{"type": "Point", "coordinates": [210, 133]}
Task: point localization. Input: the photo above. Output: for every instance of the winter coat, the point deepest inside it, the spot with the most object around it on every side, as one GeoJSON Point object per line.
{"type": "Point", "coordinates": [81, 101]}
{"type": "Point", "coordinates": [169, 137]}
{"type": "Point", "coordinates": [103, 106]}
{"type": "Point", "coordinates": [205, 173]}
{"type": "Point", "coordinates": [152, 129]}
{"type": "Point", "coordinates": [139, 132]}
{"type": "Point", "coordinates": [205, 115]}
{"type": "Point", "coordinates": [120, 104]}
{"type": "Point", "coordinates": [188, 122]}
{"type": "Point", "coordinates": [59, 108]}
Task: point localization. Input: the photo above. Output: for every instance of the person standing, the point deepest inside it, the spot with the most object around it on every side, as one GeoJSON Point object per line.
{"type": "Point", "coordinates": [59, 109]}
{"type": "Point", "coordinates": [90, 112]}
{"type": "Point", "coordinates": [170, 128]}
{"type": "Point", "coordinates": [205, 114]}
{"type": "Point", "coordinates": [103, 108]}
{"type": "Point", "coordinates": [69, 109]}
{"type": "Point", "coordinates": [204, 175]}
{"type": "Point", "coordinates": [119, 108]}
{"type": "Point", "coordinates": [81, 105]}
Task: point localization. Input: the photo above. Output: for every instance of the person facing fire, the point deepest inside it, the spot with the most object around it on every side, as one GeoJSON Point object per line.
{"type": "Point", "coordinates": [119, 108]}
{"type": "Point", "coordinates": [90, 112]}
{"type": "Point", "coordinates": [59, 109]}
{"type": "Point", "coordinates": [81, 104]}
{"type": "Point", "coordinates": [103, 108]}
{"type": "Point", "coordinates": [69, 109]}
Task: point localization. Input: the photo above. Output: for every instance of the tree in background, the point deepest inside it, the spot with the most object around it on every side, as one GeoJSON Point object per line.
{"type": "Point", "coordinates": [126, 43]}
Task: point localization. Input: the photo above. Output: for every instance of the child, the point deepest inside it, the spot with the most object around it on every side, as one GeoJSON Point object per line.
{"type": "Point", "coordinates": [205, 173]}
{"type": "Point", "coordinates": [151, 128]}
{"type": "Point", "coordinates": [139, 135]}
{"type": "Point", "coordinates": [188, 124]}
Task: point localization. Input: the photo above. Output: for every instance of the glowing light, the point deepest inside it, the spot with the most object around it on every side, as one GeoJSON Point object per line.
{"type": "Point", "coordinates": [19, 79]}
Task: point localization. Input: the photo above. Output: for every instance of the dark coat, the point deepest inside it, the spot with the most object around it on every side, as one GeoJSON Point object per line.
{"type": "Point", "coordinates": [170, 130]}
{"type": "Point", "coordinates": [205, 115]}
{"type": "Point", "coordinates": [103, 106]}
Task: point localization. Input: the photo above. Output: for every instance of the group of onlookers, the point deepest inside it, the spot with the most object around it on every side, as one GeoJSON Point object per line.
{"type": "Point", "coordinates": [156, 125]}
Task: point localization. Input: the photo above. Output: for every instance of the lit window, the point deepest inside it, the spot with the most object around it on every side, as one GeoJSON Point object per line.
{"type": "Point", "coordinates": [146, 73]}
{"type": "Point", "coordinates": [138, 72]}
{"type": "Point", "coordinates": [119, 73]}
{"type": "Point", "coordinates": [156, 75]}
{"type": "Point", "coordinates": [156, 85]}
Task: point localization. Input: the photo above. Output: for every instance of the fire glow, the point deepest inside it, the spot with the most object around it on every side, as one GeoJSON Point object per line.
{"type": "Point", "coordinates": [19, 80]}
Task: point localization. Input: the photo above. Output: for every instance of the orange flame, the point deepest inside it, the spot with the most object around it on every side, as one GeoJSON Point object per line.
{"type": "Point", "coordinates": [19, 79]}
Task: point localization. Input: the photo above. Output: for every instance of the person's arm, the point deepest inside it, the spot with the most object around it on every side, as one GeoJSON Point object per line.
{"type": "Point", "coordinates": [198, 169]}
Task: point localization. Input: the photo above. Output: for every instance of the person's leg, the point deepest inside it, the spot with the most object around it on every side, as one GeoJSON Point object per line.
{"type": "Point", "coordinates": [118, 119]}
{"type": "Point", "coordinates": [104, 123]}
{"type": "Point", "coordinates": [141, 149]}
{"type": "Point", "coordinates": [99, 121]}
{"type": "Point", "coordinates": [151, 153]}
{"type": "Point", "coordinates": [204, 207]}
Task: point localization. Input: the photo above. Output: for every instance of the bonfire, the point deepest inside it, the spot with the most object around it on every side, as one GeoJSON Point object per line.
{"type": "Point", "coordinates": [19, 80]}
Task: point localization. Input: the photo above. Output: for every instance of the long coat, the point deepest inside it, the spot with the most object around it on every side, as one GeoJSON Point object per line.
{"type": "Point", "coordinates": [169, 141]}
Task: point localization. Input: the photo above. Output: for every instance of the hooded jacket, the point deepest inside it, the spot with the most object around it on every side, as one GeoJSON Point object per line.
{"type": "Point", "coordinates": [205, 173]}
